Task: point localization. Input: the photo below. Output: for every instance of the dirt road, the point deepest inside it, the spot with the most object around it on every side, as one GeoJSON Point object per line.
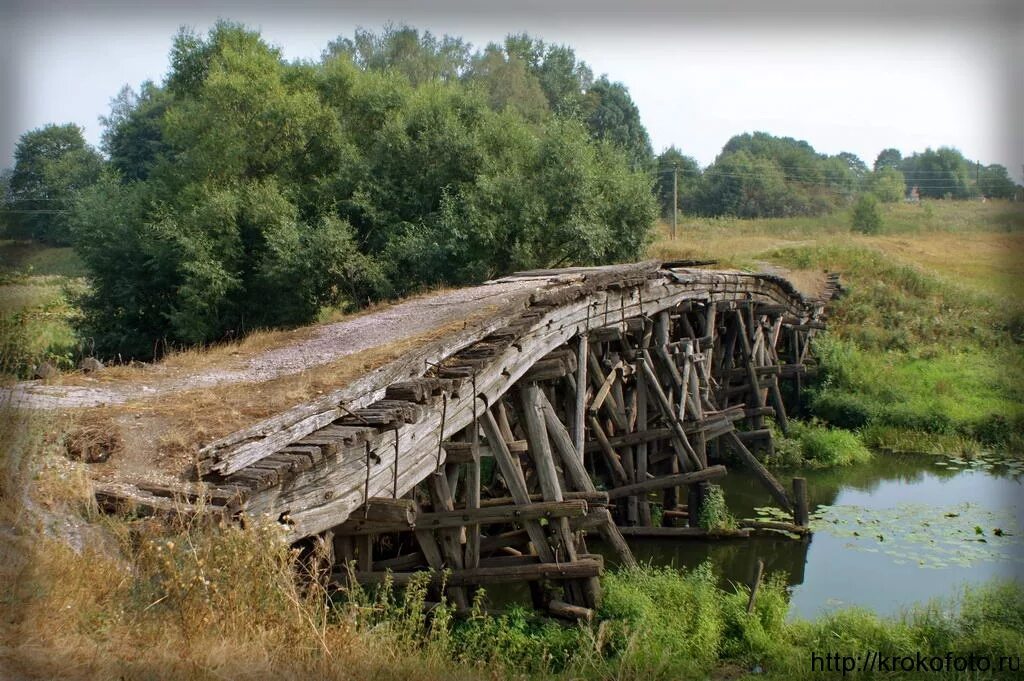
{"type": "Point", "coordinates": [321, 345]}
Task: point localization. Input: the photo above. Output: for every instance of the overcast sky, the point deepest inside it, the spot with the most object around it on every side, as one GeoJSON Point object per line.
{"type": "Point", "coordinates": [844, 76]}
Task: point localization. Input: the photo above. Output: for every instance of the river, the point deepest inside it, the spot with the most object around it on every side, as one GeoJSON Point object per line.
{"type": "Point", "coordinates": [899, 530]}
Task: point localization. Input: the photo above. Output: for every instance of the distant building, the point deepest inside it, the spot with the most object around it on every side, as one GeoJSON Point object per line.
{"type": "Point", "coordinates": [913, 196]}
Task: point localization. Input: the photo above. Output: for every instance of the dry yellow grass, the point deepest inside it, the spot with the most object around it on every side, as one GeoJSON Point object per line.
{"type": "Point", "coordinates": [983, 261]}
{"type": "Point", "coordinates": [133, 602]}
{"type": "Point", "coordinates": [975, 244]}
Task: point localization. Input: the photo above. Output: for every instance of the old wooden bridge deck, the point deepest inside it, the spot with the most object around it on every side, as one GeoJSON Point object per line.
{"type": "Point", "coordinates": [608, 391]}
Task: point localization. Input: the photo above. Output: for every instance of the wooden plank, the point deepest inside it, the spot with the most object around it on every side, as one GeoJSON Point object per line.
{"type": "Point", "coordinates": [679, 437]}
{"type": "Point", "coordinates": [579, 415]}
{"type": "Point", "coordinates": [704, 475]}
{"type": "Point", "coordinates": [597, 378]}
{"type": "Point", "coordinates": [605, 390]}
{"type": "Point", "coordinates": [252, 452]}
{"type": "Point", "coordinates": [385, 510]}
{"type": "Point", "coordinates": [544, 464]}
{"type": "Point", "coordinates": [766, 478]}
{"type": "Point", "coordinates": [513, 474]}
{"type": "Point", "coordinates": [683, 532]}
{"type": "Point", "coordinates": [580, 569]}
{"type": "Point", "coordinates": [457, 518]}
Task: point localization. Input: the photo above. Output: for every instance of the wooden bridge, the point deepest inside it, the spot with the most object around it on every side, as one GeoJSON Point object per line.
{"type": "Point", "coordinates": [607, 401]}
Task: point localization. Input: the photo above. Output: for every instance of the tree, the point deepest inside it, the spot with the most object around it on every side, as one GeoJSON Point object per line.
{"type": "Point", "coordinates": [132, 137]}
{"type": "Point", "coordinates": [250, 192]}
{"type": "Point", "coordinates": [994, 182]}
{"type": "Point", "coordinates": [887, 184]}
{"type": "Point", "coordinates": [742, 185]}
{"type": "Point", "coordinates": [689, 176]}
{"type": "Point", "coordinates": [419, 57]}
{"type": "Point", "coordinates": [509, 83]}
{"type": "Point", "coordinates": [938, 173]}
{"type": "Point", "coordinates": [51, 164]}
{"type": "Point", "coordinates": [888, 158]}
{"type": "Point", "coordinates": [613, 116]}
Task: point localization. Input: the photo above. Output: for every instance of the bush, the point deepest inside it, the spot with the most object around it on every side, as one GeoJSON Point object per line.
{"type": "Point", "coordinates": [867, 218]}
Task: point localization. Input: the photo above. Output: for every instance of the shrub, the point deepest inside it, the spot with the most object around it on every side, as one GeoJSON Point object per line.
{"type": "Point", "coordinates": [714, 514]}
{"type": "Point", "coordinates": [826, 446]}
{"type": "Point", "coordinates": [867, 218]}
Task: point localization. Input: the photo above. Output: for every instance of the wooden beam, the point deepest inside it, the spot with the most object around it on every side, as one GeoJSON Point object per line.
{"type": "Point", "coordinates": [451, 547]}
{"type": "Point", "coordinates": [610, 455]}
{"type": "Point", "coordinates": [685, 450]}
{"type": "Point", "coordinates": [801, 515]}
{"type": "Point", "coordinates": [579, 415]}
{"type": "Point", "coordinates": [580, 569]}
{"type": "Point", "coordinates": [704, 475]}
{"type": "Point", "coordinates": [683, 532]}
{"type": "Point", "coordinates": [513, 474]}
{"type": "Point", "coordinates": [544, 464]}
{"type": "Point", "coordinates": [766, 478]}
{"type": "Point", "coordinates": [644, 507]}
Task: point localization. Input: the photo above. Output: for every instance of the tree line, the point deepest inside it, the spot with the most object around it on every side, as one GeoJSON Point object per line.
{"type": "Point", "coordinates": [759, 175]}
{"type": "Point", "coordinates": [246, 191]}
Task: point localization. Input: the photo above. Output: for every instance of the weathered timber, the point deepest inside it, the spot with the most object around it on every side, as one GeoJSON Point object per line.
{"type": "Point", "coordinates": [597, 498]}
{"type": "Point", "coordinates": [801, 515]}
{"type": "Point", "coordinates": [446, 520]}
{"type": "Point", "coordinates": [579, 569]}
{"type": "Point", "coordinates": [774, 525]}
{"type": "Point", "coordinates": [568, 611]}
{"type": "Point", "coordinates": [384, 510]}
{"type": "Point", "coordinates": [513, 474]}
{"type": "Point", "coordinates": [686, 453]}
{"type": "Point", "coordinates": [755, 585]}
{"type": "Point", "coordinates": [766, 478]}
{"type": "Point", "coordinates": [692, 478]}
{"type": "Point", "coordinates": [684, 532]}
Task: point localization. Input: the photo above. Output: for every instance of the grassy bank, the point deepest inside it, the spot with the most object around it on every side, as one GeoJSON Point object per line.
{"type": "Point", "coordinates": [924, 353]}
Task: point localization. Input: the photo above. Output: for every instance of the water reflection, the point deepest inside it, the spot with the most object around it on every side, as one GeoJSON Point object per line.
{"type": "Point", "coordinates": [915, 510]}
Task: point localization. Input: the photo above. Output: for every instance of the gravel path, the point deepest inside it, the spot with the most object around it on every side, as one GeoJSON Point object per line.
{"type": "Point", "coordinates": [327, 344]}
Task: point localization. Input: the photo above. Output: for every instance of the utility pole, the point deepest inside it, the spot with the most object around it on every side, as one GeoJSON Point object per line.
{"type": "Point", "coordinates": [675, 198]}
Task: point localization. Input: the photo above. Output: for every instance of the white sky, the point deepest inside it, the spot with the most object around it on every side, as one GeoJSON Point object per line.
{"type": "Point", "coordinates": [901, 73]}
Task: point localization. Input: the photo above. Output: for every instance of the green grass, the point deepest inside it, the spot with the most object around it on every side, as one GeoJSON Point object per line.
{"type": "Point", "coordinates": [37, 284]}
{"type": "Point", "coordinates": [815, 444]}
{"type": "Point", "coordinates": [924, 353]}
{"type": "Point", "coordinates": [911, 351]}
{"type": "Point", "coordinates": [29, 258]}
{"type": "Point", "coordinates": [662, 623]}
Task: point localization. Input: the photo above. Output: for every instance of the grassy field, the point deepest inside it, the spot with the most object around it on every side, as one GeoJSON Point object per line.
{"type": "Point", "coordinates": [36, 285]}
{"type": "Point", "coordinates": [924, 353]}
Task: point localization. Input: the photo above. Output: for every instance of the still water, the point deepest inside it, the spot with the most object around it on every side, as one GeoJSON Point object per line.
{"type": "Point", "coordinates": [897, 531]}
